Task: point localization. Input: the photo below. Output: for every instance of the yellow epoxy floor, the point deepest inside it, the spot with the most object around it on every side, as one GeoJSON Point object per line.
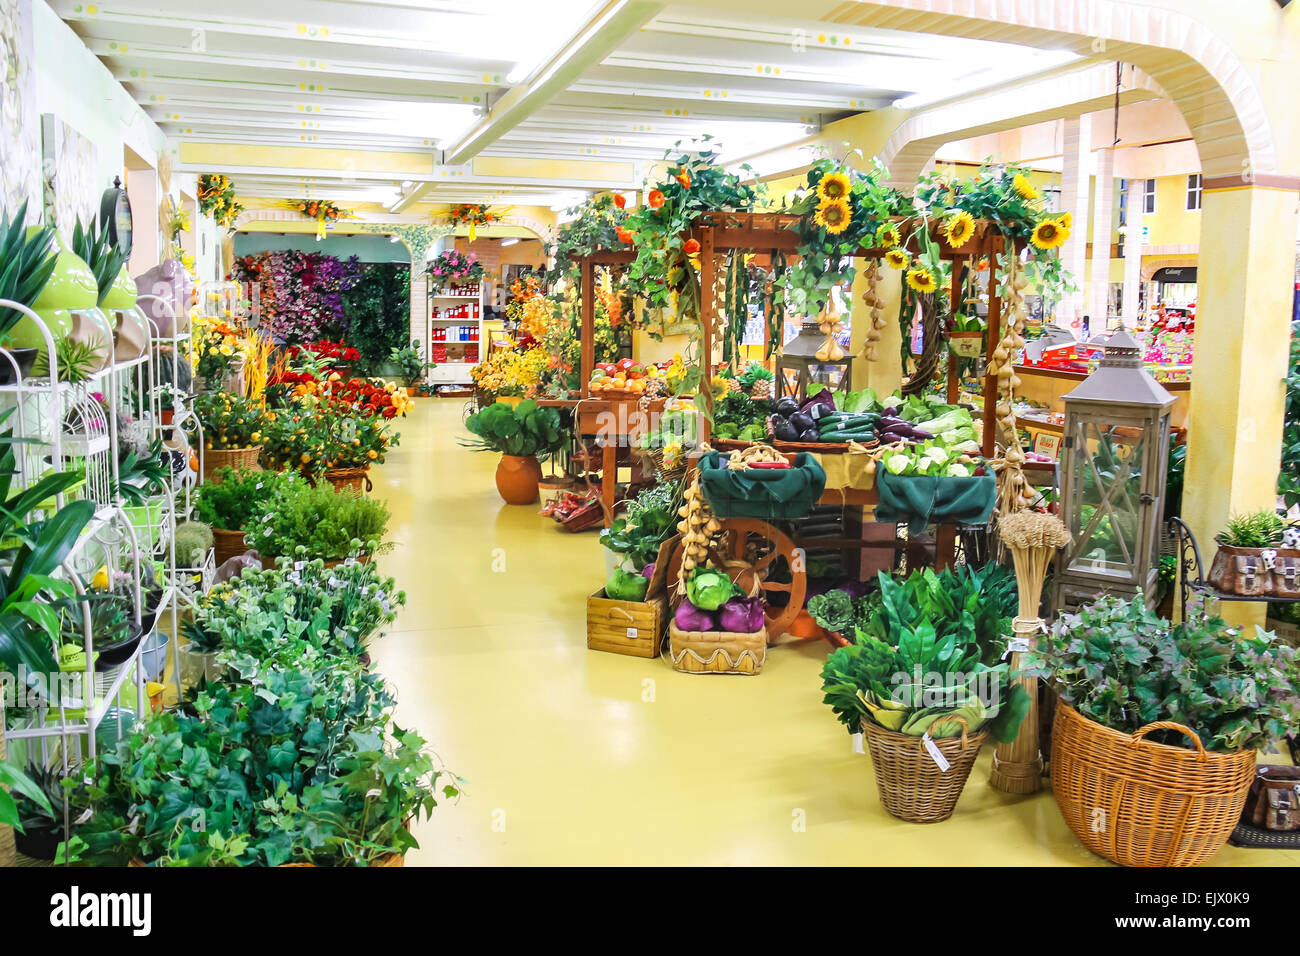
{"type": "Point", "coordinates": [581, 757]}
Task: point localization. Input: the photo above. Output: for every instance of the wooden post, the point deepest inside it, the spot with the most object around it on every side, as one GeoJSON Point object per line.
{"type": "Point", "coordinates": [706, 326]}
{"type": "Point", "coordinates": [954, 385]}
{"type": "Point", "coordinates": [995, 336]}
{"type": "Point", "coordinates": [588, 326]}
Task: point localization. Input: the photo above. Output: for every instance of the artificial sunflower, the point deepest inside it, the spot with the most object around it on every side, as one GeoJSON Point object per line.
{"type": "Point", "coordinates": [896, 258]}
{"type": "Point", "coordinates": [888, 237]}
{"type": "Point", "coordinates": [833, 187]}
{"type": "Point", "coordinates": [1066, 220]}
{"type": "Point", "coordinates": [959, 229]}
{"type": "Point", "coordinates": [833, 215]}
{"type": "Point", "coordinates": [1024, 187]}
{"type": "Point", "coordinates": [921, 280]}
{"type": "Point", "coordinates": [1050, 234]}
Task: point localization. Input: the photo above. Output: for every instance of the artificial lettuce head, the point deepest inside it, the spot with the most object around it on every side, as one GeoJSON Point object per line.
{"type": "Point", "coordinates": [709, 589]}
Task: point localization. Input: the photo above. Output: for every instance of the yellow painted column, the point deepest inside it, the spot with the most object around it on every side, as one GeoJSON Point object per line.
{"type": "Point", "coordinates": [1246, 278]}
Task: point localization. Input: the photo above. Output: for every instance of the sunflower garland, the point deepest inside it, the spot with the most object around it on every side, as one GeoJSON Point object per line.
{"type": "Point", "coordinates": [834, 186]}
{"type": "Point", "coordinates": [1024, 187]}
{"type": "Point", "coordinates": [959, 229]}
{"type": "Point", "coordinates": [1050, 234]}
{"type": "Point", "coordinates": [896, 259]}
{"type": "Point", "coordinates": [833, 215]}
{"type": "Point", "coordinates": [887, 236]}
{"type": "Point", "coordinates": [921, 279]}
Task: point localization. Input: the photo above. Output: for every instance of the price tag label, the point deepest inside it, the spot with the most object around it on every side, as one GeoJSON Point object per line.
{"type": "Point", "coordinates": [631, 633]}
{"type": "Point", "coordinates": [935, 753]}
{"type": "Point", "coordinates": [1018, 644]}
{"type": "Point", "coordinates": [857, 744]}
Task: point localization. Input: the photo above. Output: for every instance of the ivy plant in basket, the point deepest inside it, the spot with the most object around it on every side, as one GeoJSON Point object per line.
{"type": "Point", "coordinates": [279, 766]}
{"type": "Point", "coordinates": [523, 435]}
{"type": "Point", "coordinates": [1160, 723]}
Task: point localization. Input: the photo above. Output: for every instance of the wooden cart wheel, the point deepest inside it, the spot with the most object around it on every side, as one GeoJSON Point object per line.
{"type": "Point", "coordinates": [748, 550]}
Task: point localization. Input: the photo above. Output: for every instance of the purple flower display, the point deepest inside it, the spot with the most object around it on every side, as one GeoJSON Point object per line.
{"type": "Point", "coordinates": [301, 292]}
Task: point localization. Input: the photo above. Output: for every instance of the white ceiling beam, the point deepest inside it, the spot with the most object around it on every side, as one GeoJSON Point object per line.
{"type": "Point", "coordinates": [597, 38]}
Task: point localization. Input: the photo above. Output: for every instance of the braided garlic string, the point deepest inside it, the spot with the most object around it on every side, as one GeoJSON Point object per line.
{"type": "Point", "coordinates": [871, 299]}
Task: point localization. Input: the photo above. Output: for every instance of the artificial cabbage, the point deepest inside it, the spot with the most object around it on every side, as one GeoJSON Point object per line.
{"type": "Point", "coordinates": [742, 615]}
{"type": "Point", "coordinates": [709, 589]}
{"type": "Point", "coordinates": [688, 617]}
{"type": "Point", "coordinates": [624, 585]}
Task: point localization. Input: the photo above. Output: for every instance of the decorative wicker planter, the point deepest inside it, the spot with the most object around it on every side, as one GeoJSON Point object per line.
{"type": "Point", "coordinates": [214, 459]}
{"type": "Point", "coordinates": [911, 785]}
{"type": "Point", "coordinates": [357, 479]}
{"type": "Point", "coordinates": [1140, 803]}
{"type": "Point", "coordinates": [227, 544]}
{"type": "Point", "coordinates": [716, 652]}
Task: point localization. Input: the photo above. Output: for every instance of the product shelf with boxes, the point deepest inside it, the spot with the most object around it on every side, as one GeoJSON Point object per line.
{"type": "Point", "coordinates": [456, 332]}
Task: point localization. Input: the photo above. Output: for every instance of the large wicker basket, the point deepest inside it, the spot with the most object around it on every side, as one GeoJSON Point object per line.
{"type": "Point", "coordinates": [909, 781]}
{"type": "Point", "coordinates": [214, 459]}
{"type": "Point", "coordinates": [357, 479]}
{"type": "Point", "coordinates": [227, 544]}
{"type": "Point", "coordinates": [1140, 803]}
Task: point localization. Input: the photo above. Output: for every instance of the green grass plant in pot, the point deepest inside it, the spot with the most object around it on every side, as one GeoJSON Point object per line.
{"type": "Point", "coordinates": [68, 306]}
{"type": "Point", "coordinates": [117, 290]}
{"type": "Point", "coordinates": [523, 435]}
{"type": "Point", "coordinates": [26, 264]}
{"type": "Point", "coordinates": [304, 522]}
{"type": "Point", "coordinates": [229, 502]}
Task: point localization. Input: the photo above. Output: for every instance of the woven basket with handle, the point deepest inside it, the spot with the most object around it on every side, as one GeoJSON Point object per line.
{"type": "Point", "coordinates": [1140, 803]}
{"type": "Point", "coordinates": [911, 785]}
{"type": "Point", "coordinates": [214, 459]}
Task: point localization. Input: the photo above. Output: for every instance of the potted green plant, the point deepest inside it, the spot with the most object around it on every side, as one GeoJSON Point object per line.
{"type": "Point", "coordinates": [227, 504]}
{"type": "Point", "coordinates": [15, 814]}
{"type": "Point", "coordinates": [305, 521]}
{"type": "Point", "coordinates": [410, 365]}
{"type": "Point", "coordinates": [26, 264]}
{"type": "Point", "coordinates": [966, 336]}
{"type": "Point", "coordinates": [39, 828]}
{"type": "Point", "coordinates": [312, 771]}
{"type": "Point", "coordinates": [232, 431]}
{"type": "Point", "coordinates": [142, 478]}
{"type": "Point", "coordinates": [926, 697]}
{"type": "Point", "coordinates": [521, 434]}
{"type": "Point", "coordinates": [1251, 559]}
{"type": "Point", "coordinates": [287, 614]}
{"type": "Point", "coordinates": [1159, 724]}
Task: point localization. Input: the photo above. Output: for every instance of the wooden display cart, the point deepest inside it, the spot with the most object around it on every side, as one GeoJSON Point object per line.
{"type": "Point", "coordinates": [768, 235]}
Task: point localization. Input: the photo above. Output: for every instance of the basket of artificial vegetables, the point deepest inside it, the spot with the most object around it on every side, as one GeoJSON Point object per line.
{"type": "Point", "coordinates": [924, 685]}
{"type": "Point", "coordinates": [761, 482]}
{"type": "Point", "coordinates": [716, 629]}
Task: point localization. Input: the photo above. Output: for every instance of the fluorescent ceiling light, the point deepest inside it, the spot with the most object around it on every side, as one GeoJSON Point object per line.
{"type": "Point", "coordinates": [982, 80]}
{"type": "Point", "coordinates": [509, 242]}
{"type": "Point", "coordinates": [534, 32]}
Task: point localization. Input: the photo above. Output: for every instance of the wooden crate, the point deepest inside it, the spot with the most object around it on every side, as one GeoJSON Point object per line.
{"type": "Point", "coordinates": [635, 628]}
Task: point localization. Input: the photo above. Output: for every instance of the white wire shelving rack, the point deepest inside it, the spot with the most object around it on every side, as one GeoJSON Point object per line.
{"type": "Point", "coordinates": [83, 426]}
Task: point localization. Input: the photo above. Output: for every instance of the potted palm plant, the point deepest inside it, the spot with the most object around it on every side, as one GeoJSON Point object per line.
{"type": "Point", "coordinates": [522, 435]}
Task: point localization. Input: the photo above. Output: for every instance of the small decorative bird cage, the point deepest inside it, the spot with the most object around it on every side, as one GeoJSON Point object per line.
{"type": "Point", "coordinates": [85, 446]}
{"type": "Point", "coordinates": [814, 357]}
{"type": "Point", "coordinates": [1113, 462]}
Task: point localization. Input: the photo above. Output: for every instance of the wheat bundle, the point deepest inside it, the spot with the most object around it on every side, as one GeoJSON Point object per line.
{"type": "Point", "coordinates": [1033, 539]}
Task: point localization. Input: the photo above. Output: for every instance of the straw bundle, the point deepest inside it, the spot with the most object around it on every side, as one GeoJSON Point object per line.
{"type": "Point", "coordinates": [1033, 539]}
{"type": "Point", "coordinates": [1014, 491]}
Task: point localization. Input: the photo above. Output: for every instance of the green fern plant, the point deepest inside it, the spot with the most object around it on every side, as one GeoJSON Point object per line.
{"type": "Point", "coordinates": [315, 521]}
{"type": "Point", "coordinates": [26, 264]}
{"type": "Point", "coordinates": [101, 253]}
{"type": "Point", "coordinates": [1258, 529]}
{"type": "Point", "coordinates": [78, 361]}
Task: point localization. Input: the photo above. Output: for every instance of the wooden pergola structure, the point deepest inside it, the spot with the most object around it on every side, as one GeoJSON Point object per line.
{"type": "Point", "coordinates": [770, 234]}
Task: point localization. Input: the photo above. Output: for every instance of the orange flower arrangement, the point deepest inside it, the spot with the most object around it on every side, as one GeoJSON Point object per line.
{"type": "Point", "coordinates": [655, 199]}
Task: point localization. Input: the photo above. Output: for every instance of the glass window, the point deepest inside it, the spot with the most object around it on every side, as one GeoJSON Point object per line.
{"type": "Point", "coordinates": [1149, 197]}
{"type": "Point", "coordinates": [1194, 192]}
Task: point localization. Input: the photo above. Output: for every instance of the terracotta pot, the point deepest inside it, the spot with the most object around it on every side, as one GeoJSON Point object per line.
{"type": "Point", "coordinates": [168, 415]}
{"type": "Point", "coordinates": [517, 479]}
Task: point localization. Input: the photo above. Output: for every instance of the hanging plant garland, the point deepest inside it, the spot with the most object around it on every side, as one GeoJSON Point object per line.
{"type": "Point", "coordinates": [472, 215]}
{"type": "Point", "coordinates": [322, 211]}
{"type": "Point", "coordinates": [217, 199]}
